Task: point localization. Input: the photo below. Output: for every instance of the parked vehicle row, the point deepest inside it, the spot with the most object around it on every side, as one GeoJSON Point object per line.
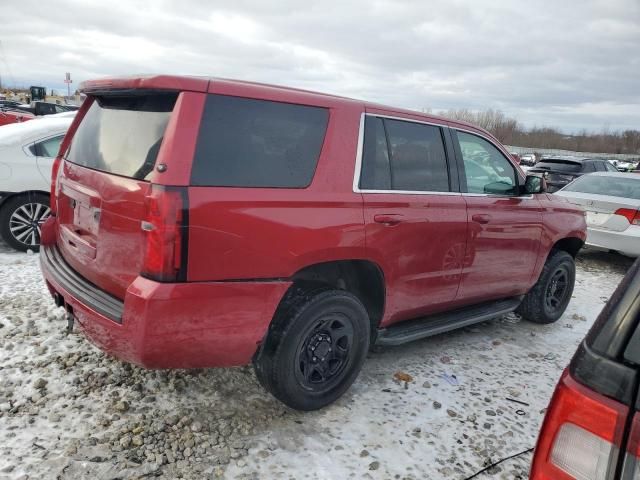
{"type": "Point", "coordinates": [205, 222]}
{"type": "Point", "coordinates": [559, 171]}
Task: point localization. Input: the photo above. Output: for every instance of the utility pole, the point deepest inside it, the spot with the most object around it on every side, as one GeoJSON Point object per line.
{"type": "Point", "coordinates": [68, 81]}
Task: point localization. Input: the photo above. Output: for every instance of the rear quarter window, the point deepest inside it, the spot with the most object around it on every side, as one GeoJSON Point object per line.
{"type": "Point", "coordinates": [258, 143]}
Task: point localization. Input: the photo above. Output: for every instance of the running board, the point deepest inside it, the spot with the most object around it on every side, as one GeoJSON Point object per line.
{"type": "Point", "coordinates": [411, 330]}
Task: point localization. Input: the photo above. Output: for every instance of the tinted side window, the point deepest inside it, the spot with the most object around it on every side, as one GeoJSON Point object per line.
{"type": "Point", "coordinates": [258, 143]}
{"type": "Point", "coordinates": [486, 169]}
{"type": "Point", "coordinates": [376, 170]}
{"type": "Point", "coordinates": [418, 159]}
{"type": "Point", "coordinates": [610, 167]}
{"type": "Point", "coordinates": [49, 148]}
{"type": "Point", "coordinates": [588, 167]}
{"type": "Point", "coordinates": [600, 166]}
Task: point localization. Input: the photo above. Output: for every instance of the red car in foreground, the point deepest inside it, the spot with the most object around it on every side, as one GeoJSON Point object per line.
{"type": "Point", "coordinates": [592, 427]}
{"type": "Point", "coordinates": [206, 222]}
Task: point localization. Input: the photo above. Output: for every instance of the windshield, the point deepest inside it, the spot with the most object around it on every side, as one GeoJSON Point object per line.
{"type": "Point", "coordinates": [122, 134]}
{"type": "Point", "coordinates": [600, 185]}
{"type": "Point", "coordinates": [560, 165]}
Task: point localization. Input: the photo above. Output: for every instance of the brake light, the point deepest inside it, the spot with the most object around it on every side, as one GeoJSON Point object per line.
{"type": "Point", "coordinates": [165, 230]}
{"type": "Point", "coordinates": [580, 436]}
{"type": "Point", "coordinates": [633, 216]}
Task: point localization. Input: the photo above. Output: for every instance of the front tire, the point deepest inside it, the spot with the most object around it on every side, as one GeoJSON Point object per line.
{"type": "Point", "coordinates": [549, 297]}
{"type": "Point", "coordinates": [21, 218]}
{"type": "Point", "coordinates": [315, 348]}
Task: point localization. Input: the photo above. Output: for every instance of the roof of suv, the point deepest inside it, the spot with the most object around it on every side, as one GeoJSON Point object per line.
{"type": "Point", "coordinates": [201, 84]}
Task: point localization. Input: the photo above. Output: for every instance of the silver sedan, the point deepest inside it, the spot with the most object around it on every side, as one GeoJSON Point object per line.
{"type": "Point", "coordinates": [612, 205]}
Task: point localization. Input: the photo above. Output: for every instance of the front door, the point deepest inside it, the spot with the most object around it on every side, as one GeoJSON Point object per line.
{"type": "Point", "coordinates": [504, 227]}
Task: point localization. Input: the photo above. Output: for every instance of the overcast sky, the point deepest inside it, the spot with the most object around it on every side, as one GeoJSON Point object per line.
{"type": "Point", "coordinates": [568, 63]}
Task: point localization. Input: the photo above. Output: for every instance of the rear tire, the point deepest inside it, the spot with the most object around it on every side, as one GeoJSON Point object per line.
{"type": "Point", "coordinates": [21, 217]}
{"type": "Point", "coordinates": [549, 297]}
{"type": "Point", "coordinates": [315, 348]}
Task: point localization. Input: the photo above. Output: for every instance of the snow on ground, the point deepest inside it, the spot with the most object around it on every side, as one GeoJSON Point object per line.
{"type": "Point", "coordinates": [67, 411]}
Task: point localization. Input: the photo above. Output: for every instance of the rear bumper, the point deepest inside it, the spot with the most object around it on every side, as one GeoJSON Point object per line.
{"type": "Point", "coordinates": [170, 325]}
{"type": "Point", "coordinates": [626, 242]}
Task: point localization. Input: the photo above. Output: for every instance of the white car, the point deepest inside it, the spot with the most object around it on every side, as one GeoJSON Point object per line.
{"type": "Point", "coordinates": [27, 151]}
{"type": "Point", "coordinates": [612, 205]}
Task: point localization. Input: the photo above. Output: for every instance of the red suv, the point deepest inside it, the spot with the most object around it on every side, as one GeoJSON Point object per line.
{"type": "Point", "coordinates": [205, 222]}
{"type": "Point", "coordinates": [592, 427]}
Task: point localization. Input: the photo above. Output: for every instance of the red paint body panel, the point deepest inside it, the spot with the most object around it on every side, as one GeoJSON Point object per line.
{"type": "Point", "coordinates": [245, 244]}
{"type": "Point", "coordinates": [270, 234]}
{"type": "Point", "coordinates": [149, 82]}
{"type": "Point", "coordinates": [183, 325]}
{"type": "Point", "coordinates": [107, 252]}
{"type": "Point", "coordinates": [421, 256]}
{"type": "Point", "coordinates": [501, 253]}
{"type": "Point", "coordinates": [561, 220]}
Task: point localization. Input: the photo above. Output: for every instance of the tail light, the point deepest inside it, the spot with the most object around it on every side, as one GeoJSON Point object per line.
{"type": "Point", "coordinates": [581, 435]}
{"type": "Point", "coordinates": [165, 229]}
{"type": "Point", "coordinates": [630, 214]}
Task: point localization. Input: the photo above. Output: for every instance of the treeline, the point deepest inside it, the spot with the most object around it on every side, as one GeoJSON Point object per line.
{"type": "Point", "coordinates": [510, 132]}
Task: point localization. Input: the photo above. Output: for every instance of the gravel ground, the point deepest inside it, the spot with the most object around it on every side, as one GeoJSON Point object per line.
{"type": "Point", "coordinates": [68, 411]}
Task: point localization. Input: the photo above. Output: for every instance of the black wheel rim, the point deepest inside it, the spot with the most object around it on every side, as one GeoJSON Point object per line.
{"type": "Point", "coordinates": [557, 290]}
{"type": "Point", "coordinates": [325, 352]}
{"type": "Point", "coordinates": [25, 223]}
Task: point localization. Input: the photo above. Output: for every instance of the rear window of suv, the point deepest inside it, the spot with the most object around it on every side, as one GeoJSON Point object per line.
{"type": "Point", "coordinates": [560, 165]}
{"type": "Point", "coordinates": [258, 143]}
{"type": "Point", "coordinates": [122, 134]}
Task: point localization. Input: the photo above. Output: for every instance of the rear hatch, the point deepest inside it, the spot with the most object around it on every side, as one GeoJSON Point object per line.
{"type": "Point", "coordinates": [103, 185]}
{"type": "Point", "coordinates": [558, 171]}
{"type": "Point", "coordinates": [611, 202]}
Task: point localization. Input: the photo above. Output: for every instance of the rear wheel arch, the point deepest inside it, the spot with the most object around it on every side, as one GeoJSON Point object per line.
{"type": "Point", "coordinates": [363, 278]}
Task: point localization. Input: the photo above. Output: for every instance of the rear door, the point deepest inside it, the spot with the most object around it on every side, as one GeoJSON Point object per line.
{"type": "Point", "coordinates": [415, 220]}
{"type": "Point", "coordinates": [103, 182]}
{"type": "Point", "coordinates": [504, 228]}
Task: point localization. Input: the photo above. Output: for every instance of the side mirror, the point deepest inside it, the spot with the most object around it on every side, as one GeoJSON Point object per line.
{"type": "Point", "coordinates": [534, 184]}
